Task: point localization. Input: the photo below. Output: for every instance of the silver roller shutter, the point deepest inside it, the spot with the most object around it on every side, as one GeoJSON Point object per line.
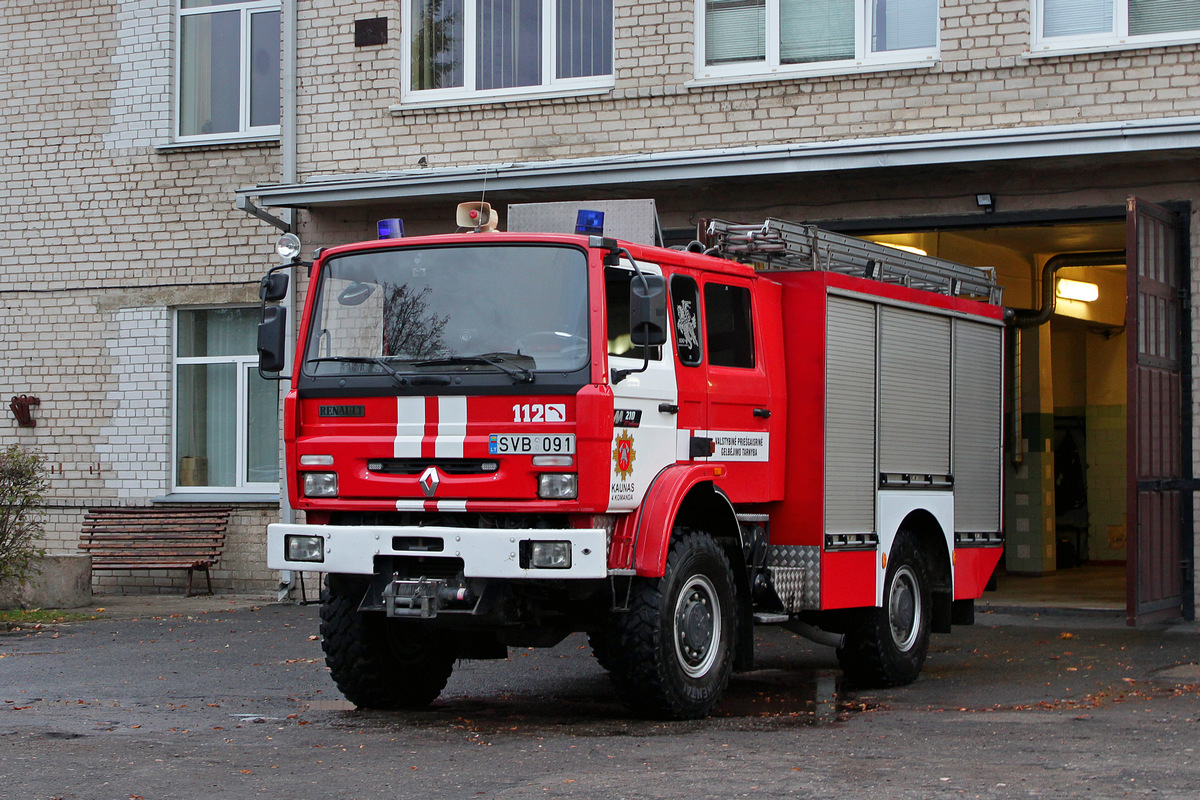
{"type": "Point", "coordinates": [850, 477]}
{"type": "Point", "coordinates": [914, 392]}
{"type": "Point", "coordinates": [978, 360]}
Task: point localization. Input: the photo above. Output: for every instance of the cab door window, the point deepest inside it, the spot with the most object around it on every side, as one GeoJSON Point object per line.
{"type": "Point", "coordinates": [730, 328]}
{"type": "Point", "coordinates": [616, 294]}
{"type": "Point", "coordinates": [685, 310]}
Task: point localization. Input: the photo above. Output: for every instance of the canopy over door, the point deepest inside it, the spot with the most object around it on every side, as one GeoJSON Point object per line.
{"type": "Point", "coordinates": [1159, 489]}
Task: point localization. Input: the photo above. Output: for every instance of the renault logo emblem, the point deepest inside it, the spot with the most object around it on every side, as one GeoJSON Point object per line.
{"type": "Point", "coordinates": [429, 481]}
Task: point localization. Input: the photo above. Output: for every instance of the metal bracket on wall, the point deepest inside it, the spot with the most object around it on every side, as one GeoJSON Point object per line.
{"type": "Point", "coordinates": [22, 406]}
{"type": "Point", "coordinates": [244, 203]}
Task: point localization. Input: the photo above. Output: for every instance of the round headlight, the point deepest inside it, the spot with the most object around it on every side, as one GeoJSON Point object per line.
{"type": "Point", "coordinates": [288, 247]}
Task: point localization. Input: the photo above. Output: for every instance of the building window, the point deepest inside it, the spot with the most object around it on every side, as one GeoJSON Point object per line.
{"type": "Point", "coordinates": [795, 37]}
{"type": "Point", "coordinates": [459, 49]}
{"type": "Point", "coordinates": [1113, 24]}
{"type": "Point", "coordinates": [227, 69]}
{"type": "Point", "coordinates": [226, 415]}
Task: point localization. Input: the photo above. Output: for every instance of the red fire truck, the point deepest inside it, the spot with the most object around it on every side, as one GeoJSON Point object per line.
{"type": "Point", "coordinates": [500, 439]}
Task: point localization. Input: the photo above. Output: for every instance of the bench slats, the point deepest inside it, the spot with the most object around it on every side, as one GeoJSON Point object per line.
{"type": "Point", "coordinates": [188, 538]}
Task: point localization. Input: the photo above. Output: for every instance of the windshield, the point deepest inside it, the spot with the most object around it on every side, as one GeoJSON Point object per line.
{"type": "Point", "coordinates": [501, 310]}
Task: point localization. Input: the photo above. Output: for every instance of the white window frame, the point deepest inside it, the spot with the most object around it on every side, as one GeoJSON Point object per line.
{"type": "Point", "coordinates": [242, 364]}
{"type": "Point", "coordinates": [247, 9]}
{"type": "Point", "coordinates": [467, 93]}
{"type": "Point", "coordinates": [1117, 39]}
{"type": "Point", "coordinates": [770, 67]}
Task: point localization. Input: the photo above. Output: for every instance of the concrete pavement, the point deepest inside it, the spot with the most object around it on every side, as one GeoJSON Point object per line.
{"type": "Point", "coordinates": [228, 697]}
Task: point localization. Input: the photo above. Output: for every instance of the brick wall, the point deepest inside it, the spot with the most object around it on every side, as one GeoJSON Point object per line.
{"type": "Point", "coordinates": [107, 229]}
{"type": "Point", "coordinates": [983, 80]}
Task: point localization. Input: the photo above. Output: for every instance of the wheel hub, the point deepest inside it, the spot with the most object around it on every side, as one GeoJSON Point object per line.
{"type": "Point", "coordinates": [904, 608]}
{"type": "Point", "coordinates": [697, 626]}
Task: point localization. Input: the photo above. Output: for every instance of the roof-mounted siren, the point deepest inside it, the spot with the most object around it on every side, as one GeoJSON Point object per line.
{"type": "Point", "coordinates": [478, 216]}
{"type": "Point", "coordinates": [589, 223]}
{"type": "Point", "coordinates": [390, 228]}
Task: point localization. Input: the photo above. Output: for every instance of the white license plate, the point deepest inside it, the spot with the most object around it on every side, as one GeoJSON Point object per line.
{"type": "Point", "coordinates": [533, 445]}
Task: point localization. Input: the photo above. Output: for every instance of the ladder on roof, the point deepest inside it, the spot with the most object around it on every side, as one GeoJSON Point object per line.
{"type": "Point", "coordinates": [782, 245]}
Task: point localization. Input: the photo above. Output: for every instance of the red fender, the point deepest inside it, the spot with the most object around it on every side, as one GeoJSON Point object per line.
{"type": "Point", "coordinates": [657, 514]}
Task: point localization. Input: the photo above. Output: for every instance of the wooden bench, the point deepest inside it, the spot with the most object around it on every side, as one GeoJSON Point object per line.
{"type": "Point", "coordinates": [173, 537]}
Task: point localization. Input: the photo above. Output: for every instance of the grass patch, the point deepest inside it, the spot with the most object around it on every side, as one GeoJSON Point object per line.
{"type": "Point", "coordinates": [38, 616]}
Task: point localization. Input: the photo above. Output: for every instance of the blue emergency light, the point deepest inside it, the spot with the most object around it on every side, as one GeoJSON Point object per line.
{"type": "Point", "coordinates": [590, 223]}
{"type": "Point", "coordinates": [391, 228]}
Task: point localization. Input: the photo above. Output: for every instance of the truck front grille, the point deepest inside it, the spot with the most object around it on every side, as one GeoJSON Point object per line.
{"type": "Point", "coordinates": [448, 466]}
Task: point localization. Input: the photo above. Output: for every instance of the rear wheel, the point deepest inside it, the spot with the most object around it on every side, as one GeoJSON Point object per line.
{"type": "Point", "coordinates": [379, 662]}
{"type": "Point", "coordinates": [888, 645]}
{"type": "Point", "coordinates": [674, 647]}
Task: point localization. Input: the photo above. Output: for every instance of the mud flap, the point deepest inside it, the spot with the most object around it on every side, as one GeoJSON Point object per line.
{"type": "Point", "coordinates": [941, 615]}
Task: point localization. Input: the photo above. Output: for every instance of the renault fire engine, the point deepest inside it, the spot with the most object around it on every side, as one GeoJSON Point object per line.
{"type": "Point", "coordinates": [498, 439]}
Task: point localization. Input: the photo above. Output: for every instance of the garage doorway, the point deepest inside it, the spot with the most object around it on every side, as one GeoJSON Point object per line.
{"type": "Point", "coordinates": [1097, 501]}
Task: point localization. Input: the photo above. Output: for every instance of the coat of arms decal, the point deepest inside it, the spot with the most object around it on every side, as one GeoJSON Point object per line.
{"type": "Point", "coordinates": [623, 456]}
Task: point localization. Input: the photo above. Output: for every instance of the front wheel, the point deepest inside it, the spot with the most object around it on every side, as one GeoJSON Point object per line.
{"type": "Point", "coordinates": [888, 646]}
{"type": "Point", "coordinates": [675, 644]}
{"type": "Point", "coordinates": [378, 662]}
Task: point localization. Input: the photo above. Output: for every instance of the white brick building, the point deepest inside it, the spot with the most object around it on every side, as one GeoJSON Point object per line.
{"type": "Point", "coordinates": [891, 118]}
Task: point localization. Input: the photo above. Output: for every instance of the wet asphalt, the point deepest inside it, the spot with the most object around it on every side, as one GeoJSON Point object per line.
{"type": "Point", "coordinates": [230, 698]}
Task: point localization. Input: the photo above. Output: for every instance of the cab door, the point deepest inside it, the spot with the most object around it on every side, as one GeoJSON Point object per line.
{"type": "Point", "coordinates": [644, 396]}
{"type": "Point", "coordinates": [691, 375]}
{"type": "Point", "coordinates": [739, 392]}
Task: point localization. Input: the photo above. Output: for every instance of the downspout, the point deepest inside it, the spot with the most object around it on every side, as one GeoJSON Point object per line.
{"type": "Point", "coordinates": [1028, 318]}
{"type": "Point", "coordinates": [288, 167]}
{"type": "Point", "coordinates": [286, 222]}
{"type": "Point", "coordinates": [1022, 318]}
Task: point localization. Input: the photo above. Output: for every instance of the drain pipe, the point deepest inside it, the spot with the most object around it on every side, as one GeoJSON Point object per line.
{"type": "Point", "coordinates": [286, 223]}
{"type": "Point", "coordinates": [288, 579]}
{"type": "Point", "coordinates": [1029, 318]}
{"type": "Point", "coordinates": [1021, 318]}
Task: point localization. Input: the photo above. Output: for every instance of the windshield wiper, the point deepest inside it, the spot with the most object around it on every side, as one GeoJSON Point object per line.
{"type": "Point", "coordinates": [379, 362]}
{"type": "Point", "coordinates": [501, 361]}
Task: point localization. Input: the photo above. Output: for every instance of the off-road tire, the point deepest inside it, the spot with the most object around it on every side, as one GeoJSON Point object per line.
{"type": "Point", "coordinates": [602, 643]}
{"type": "Point", "coordinates": [888, 645]}
{"type": "Point", "coordinates": [675, 645]}
{"type": "Point", "coordinates": [378, 662]}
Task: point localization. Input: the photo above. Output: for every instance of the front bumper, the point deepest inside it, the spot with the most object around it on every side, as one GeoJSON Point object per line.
{"type": "Point", "coordinates": [485, 552]}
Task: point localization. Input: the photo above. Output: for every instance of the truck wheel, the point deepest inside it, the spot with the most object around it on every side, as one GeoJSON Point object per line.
{"type": "Point", "coordinates": [378, 662]}
{"type": "Point", "coordinates": [675, 645]}
{"type": "Point", "coordinates": [601, 642]}
{"type": "Point", "coordinates": [888, 647]}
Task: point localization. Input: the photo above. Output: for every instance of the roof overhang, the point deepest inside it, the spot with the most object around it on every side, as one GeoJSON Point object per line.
{"type": "Point", "coordinates": [960, 147]}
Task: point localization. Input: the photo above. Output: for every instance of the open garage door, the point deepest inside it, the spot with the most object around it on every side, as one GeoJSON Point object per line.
{"type": "Point", "coordinates": [1159, 485]}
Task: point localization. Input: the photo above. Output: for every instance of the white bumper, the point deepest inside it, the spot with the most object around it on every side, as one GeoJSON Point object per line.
{"type": "Point", "coordinates": [485, 552]}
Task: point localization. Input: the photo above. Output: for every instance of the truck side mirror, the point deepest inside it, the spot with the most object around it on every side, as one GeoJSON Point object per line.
{"type": "Point", "coordinates": [272, 339]}
{"type": "Point", "coordinates": [273, 287]}
{"type": "Point", "coordinates": [648, 310]}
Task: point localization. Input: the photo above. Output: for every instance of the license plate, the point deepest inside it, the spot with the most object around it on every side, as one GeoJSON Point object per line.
{"type": "Point", "coordinates": [533, 445]}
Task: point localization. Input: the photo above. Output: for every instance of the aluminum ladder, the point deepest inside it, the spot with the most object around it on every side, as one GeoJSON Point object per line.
{"type": "Point", "coordinates": [781, 245]}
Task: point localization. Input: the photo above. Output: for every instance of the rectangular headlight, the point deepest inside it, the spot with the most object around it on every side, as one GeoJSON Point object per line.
{"type": "Point", "coordinates": [550, 555]}
{"type": "Point", "coordinates": [304, 548]}
{"type": "Point", "coordinates": [558, 486]}
{"type": "Point", "coordinates": [320, 484]}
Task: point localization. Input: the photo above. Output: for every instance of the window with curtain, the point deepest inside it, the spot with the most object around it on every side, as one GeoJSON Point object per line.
{"type": "Point", "coordinates": [227, 69]}
{"type": "Point", "coordinates": [226, 415]}
{"type": "Point", "coordinates": [782, 36]}
{"type": "Point", "coordinates": [458, 48]}
{"type": "Point", "coordinates": [1114, 23]}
